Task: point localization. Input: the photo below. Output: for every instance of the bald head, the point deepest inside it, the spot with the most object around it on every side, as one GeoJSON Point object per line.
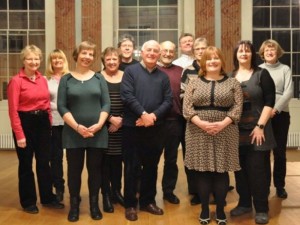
{"type": "Point", "coordinates": [167, 50]}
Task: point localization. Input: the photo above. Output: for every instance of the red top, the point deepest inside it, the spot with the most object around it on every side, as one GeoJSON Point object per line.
{"type": "Point", "coordinates": [26, 95]}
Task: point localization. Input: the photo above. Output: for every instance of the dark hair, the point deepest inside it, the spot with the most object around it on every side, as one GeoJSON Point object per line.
{"type": "Point", "coordinates": [249, 45]}
{"type": "Point", "coordinates": [110, 51]}
{"type": "Point", "coordinates": [126, 37]}
{"type": "Point", "coordinates": [186, 35]}
{"type": "Point", "coordinates": [85, 45]}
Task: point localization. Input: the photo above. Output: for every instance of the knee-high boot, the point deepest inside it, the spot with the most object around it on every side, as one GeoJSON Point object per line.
{"type": "Point", "coordinates": [73, 215]}
{"type": "Point", "coordinates": [94, 208]}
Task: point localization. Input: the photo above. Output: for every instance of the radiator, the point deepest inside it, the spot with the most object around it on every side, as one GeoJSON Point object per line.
{"type": "Point", "coordinates": [294, 139]}
{"type": "Point", "coordinates": [6, 141]}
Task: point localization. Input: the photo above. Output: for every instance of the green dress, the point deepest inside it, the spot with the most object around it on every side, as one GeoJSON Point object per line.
{"type": "Point", "coordinates": [85, 100]}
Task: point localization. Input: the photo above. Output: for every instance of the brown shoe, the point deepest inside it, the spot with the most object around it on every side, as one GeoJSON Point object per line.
{"type": "Point", "coordinates": [131, 214]}
{"type": "Point", "coordinates": [153, 209]}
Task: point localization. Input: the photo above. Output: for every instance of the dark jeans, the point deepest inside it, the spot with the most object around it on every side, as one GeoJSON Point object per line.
{"type": "Point", "coordinates": [253, 180]}
{"type": "Point", "coordinates": [56, 160]}
{"type": "Point", "coordinates": [37, 132]}
{"type": "Point", "coordinates": [173, 131]}
{"type": "Point", "coordinates": [75, 159]}
{"type": "Point", "coordinates": [280, 125]}
{"type": "Point", "coordinates": [111, 173]}
{"type": "Point", "coordinates": [142, 147]}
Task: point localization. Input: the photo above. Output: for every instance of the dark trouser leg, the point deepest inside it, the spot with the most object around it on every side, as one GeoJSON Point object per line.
{"type": "Point", "coordinates": [220, 189]}
{"type": "Point", "coordinates": [280, 124]}
{"type": "Point", "coordinates": [106, 175]}
{"type": "Point", "coordinates": [204, 185]}
{"type": "Point", "coordinates": [75, 160]}
{"type": "Point", "coordinates": [56, 160]}
{"type": "Point", "coordinates": [116, 172]}
{"type": "Point", "coordinates": [94, 158]}
{"type": "Point", "coordinates": [241, 178]}
{"type": "Point", "coordinates": [173, 129]}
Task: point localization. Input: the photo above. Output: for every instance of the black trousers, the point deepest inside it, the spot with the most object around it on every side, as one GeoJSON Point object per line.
{"type": "Point", "coordinates": [173, 131]}
{"type": "Point", "coordinates": [56, 159]}
{"type": "Point", "coordinates": [111, 173]}
{"type": "Point", "coordinates": [280, 125]}
{"type": "Point", "coordinates": [253, 180]}
{"type": "Point", "coordinates": [142, 147]}
{"type": "Point", "coordinates": [75, 160]}
{"type": "Point", "coordinates": [37, 132]}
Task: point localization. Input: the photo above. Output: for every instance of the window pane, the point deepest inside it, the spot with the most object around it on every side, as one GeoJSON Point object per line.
{"type": "Point", "coordinates": [128, 18]}
{"type": "Point", "coordinates": [37, 4]}
{"type": "Point", "coordinates": [280, 17]}
{"type": "Point", "coordinates": [296, 2]}
{"type": "Point", "coordinates": [36, 20]}
{"type": "Point", "coordinates": [18, 4]}
{"type": "Point", "coordinates": [280, 2]}
{"type": "Point", "coordinates": [148, 18]}
{"type": "Point", "coordinates": [296, 41]}
{"type": "Point", "coordinates": [168, 36]}
{"type": "Point", "coordinates": [3, 44]}
{"type": "Point", "coordinates": [18, 20]}
{"type": "Point", "coordinates": [296, 64]}
{"type": "Point", "coordinates": [295, 17]}
{"type": "Point", "coordinates": [3, 20]}
{"type": "Point", "coordinates": [146, 36]}
{"type": "Point", "coordinates": [127, 2]}
{"type": "Point", "coordinates": [38, 39]}
{"type": "Point", "coordinates": [259, 37]}
{"type": "Point", "coordinates": [167, 2]}
{"type": "Point", "coordinates": [17, 42]}
{"type": "Point", "coordinates": [15, 63]}
{"type": "Point", "coordinates": [283, 38]}
{"type": "Point", "coordinates": [168, 18]}
{"type": "Point", "coordinates": [261, 17]}
{"type": "Point", "coordinates": [148, 2]}
{"type": "Point", "coordinates": [261, 2]}
{"type": "Point", "coordinates": [3, 4]}
{"type": "Point", "coordinates": [286, 59]}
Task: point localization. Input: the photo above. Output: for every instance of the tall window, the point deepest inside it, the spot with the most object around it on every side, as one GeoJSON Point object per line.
{"type": "Point", "coordinates": [148, 19]}
{"type": "Point", "coordinates": [22, 22]}
{"type": "Point", "coordinates": [279, 20]}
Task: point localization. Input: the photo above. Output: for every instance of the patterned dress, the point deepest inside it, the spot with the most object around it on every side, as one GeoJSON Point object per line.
{"type": "Point", "coordinates": [212, 101]}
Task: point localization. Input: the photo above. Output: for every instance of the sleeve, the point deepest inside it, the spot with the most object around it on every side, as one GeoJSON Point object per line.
{"type": "Point", "coordinates": [235, 111]}
{"type": "Point", "coordinates": [167, 103]}
{"type": "Point", "coordinates": [105, 99]}
{"type": "Point", "coordinates": [62, 96]}
{"type": "Point", "coordinates": [188, 106]}
{"type": "Point", "coordinates": [13, 94]}
{"type": "Point", "coordinates": [288, 90]}
{"type": "Point", "coordinates": [268, 87]}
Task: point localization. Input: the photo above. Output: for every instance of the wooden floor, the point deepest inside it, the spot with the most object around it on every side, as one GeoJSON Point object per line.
{"type": "Point", "coordinates": [282, 212]}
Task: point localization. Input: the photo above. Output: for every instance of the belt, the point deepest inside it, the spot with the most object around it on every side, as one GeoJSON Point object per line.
{"type": "Point", "coordinates": [35, 112]}
{"type": "Point", "coordinates": [219, 108]}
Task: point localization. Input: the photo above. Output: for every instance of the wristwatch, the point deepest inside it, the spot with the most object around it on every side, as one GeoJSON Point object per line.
{"type": "Point", "coordinates": [143, 113]}
{"type": "Point", "coordinates": [261, 126]}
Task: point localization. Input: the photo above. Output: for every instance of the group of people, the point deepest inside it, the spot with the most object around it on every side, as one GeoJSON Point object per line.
{"type": "Point", "coordinates": [132, 112]}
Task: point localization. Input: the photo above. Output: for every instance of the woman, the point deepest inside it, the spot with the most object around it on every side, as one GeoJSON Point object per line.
{"type": "Point", "coordinates": [84, 104]}
{"type": "Point", "coordinates": [112, 166]}
{"type": "Point", "coordinates": [30, 116]}
{"type": "Point", "coordinates": [256, 135]}
{"type": "Point", "coordinates": [57, 66]}
{"type": "Point", "coordinates": [212, 105]}
{"type": "Point", "coordinates": [270, 51]}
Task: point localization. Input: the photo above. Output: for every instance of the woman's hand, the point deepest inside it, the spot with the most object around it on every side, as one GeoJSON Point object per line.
{"type": "Point", "coordinates": [258, 136]}
{"type": "Point", "coordinates": [86, 132]}
{"type": "Point", "coordinates": [21, 143]}
{"type": "Point", "coordinates": [116, 121]}
{"type": "Point", "coordinates": [215, 128]}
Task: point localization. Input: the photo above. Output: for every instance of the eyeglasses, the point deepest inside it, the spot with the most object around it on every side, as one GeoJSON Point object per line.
{"type": "Point", "coordinates": [164, 51]}
{"type": "Point", "coordinates": [32, 59]}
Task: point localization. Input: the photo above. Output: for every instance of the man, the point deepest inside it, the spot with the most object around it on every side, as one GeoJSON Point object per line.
{"type": "Point", "coordinates": [186, 41]}
{"type": "Point", "coordinates": [147, 98]}
{"type": "Point", "coordinates": [175, 122]}
{"type": "Point", "coordinates": [126, 46]}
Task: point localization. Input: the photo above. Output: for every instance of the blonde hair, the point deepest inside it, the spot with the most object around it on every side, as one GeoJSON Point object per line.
{"type": "Point", "coordinates": [85, 45]}
{"type": "Point", "coordinates": [60, 54]}
{"type": "Point", "coordinates": [31, 49]}
{"type": "Point", "coordinates": [272, 44]}
{"type": "Point", "coordinates": [209, 51]}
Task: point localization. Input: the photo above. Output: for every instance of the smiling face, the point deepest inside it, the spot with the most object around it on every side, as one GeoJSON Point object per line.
{"type": "Point", "coordinates": [186, 45]}
{"type": "Point", "coordinates": [57, 62]}
{"type": "Point", "coordinates": [199, 49]}
{"type": "Point", "coordinates": [244, 54]}
{"type": "Point", "coordinates": [150, 53]}
{"type": "Point", "coordinates": [167, 53]}
{"type": "Point", "coordinates": [126, 49]}
{"type": "Point", "coordinates": [31, 62]}
{"type": "Point", "coordinates": [270, 54]}
{"type": "Point", "coordinates": [111, 62]}
{"type": "Point", "coordinates": [85, 58]}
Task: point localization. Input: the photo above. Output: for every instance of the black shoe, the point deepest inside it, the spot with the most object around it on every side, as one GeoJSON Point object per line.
{"type": "Point", "coordinates": [107, 205]}
{"type": "Point", "coordinates": [59, 195]}
{"type": "Point", "coordinates": [195, 200]}
{"type": "Point", "coordinates": [73, 215]}
{"type": "Point", "coordinates": [170, 197]}
{"type": "Point", "coordinates": [32, 209]}
{"type": "Point", "coordinates": [281, 193]}
{"type": "Point", "coordinates": [54, 205]}
{"type": "Point", "coordinates": [117, 198]}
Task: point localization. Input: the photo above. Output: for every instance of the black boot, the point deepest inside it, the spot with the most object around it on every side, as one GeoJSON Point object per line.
{"type": "Point", "coordinates": [107, 205]}
{"type": "Point", "coordinates": [94, 208]}
{"type": "Point", "coordinates": [73, 215]}
{"type": "Point", "coordinates": [117, 197]}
